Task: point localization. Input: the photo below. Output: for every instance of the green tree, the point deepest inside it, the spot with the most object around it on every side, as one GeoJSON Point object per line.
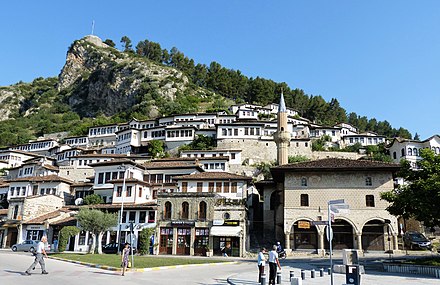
{"type": "Point", "coordinates": [93, 199]}
{"type": "Point", "coordinates": [109, 42]}
{"type": "Point", "coordinates": [126, 44]}
{"type": "Point", "coordinates": [144, 240]}
{"type": "Point", "coordinates": [419, 197]}
{"type": "Point", "coordinates": [155, 148]}
{"type": "Point", "coordinates": [203, 142]}
{"type": "Point", "coordinates": [416, 137]}
{"type": "Point", "coordinates": [65, 234]}
{"type": "Point", "coordinates": [96, 222]}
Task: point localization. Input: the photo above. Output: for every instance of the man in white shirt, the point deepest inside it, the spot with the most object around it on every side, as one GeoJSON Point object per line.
{"type": "Point", "coordinates": [39, 257]}
{"type": "Point", "coordinates": [273, 262]}
{"type": "Point", "coordinates": [261, 263]}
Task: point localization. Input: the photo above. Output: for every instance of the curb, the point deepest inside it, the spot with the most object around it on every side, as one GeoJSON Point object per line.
{"type": "Point", "coordinates": [111, 268]}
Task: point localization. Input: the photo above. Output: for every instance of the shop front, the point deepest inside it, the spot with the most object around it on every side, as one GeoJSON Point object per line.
{"type": "Point", "coordinates": [201, 241]}
{"type": "Point", "coordinates": [226, 238]}
{"type": "Point", "coordinates": [166, 240]}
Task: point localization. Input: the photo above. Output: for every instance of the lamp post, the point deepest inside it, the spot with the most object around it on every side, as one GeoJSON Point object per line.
{"type": "Point", "coordinates": [333, 206]}
{"type": "Point", "coordinates": [119, 234]}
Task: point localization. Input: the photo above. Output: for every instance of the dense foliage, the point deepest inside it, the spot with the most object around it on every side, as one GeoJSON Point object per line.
{"type": "Point", "coordinates": [65, 234]}
{"type": "Point", "coordinates": [144, 240]}
{"type": "Point", "coordinates": [93, 199]}
{"type": "Point", "coordinates": [419, 197]}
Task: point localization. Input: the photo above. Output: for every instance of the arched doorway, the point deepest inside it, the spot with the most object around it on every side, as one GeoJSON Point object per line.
{"type": "Point", "coordinates": [303, 236]}
{"type": "Point", "coordinates": [342, 235]}
{"type": "Point", "coordinates": [373, 235]}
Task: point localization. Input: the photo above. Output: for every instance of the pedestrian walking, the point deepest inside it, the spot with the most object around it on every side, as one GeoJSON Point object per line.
{"type": "Point", "coordinates": [273, 263]}
{"type": "Point", "coordinates": [124, 257]}
{"type": "Point", "coordinates": [40, 253]}
{"type": "Point", "coordinates": [261, 263]}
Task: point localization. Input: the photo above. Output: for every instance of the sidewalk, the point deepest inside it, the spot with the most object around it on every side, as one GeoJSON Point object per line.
{"type": "Point", "coordinates": [373, 278]}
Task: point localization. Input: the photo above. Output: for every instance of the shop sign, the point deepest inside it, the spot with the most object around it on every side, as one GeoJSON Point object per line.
{"type": "Point", "coordinates": [303, 225]}
{"type": "Point", "coordinates": [231, 223]}
{"type": "Point", "coordinates": [218, 222]}
{"type": "Point", "coordinates": [35, 228]}
{"type": "Point", "coordinates": [183, 223]}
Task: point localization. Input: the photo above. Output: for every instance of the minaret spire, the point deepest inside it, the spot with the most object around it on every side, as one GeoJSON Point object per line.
{"type": "Point", "coordinates": [282, 135]}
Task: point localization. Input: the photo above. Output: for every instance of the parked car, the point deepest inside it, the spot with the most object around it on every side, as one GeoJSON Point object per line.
{"type": "Point", "coordinates": [110, 248]}
{"type": "Point", "coordinates": [113, 248]}
{"type": "Point", "coordinates": [27, 245]}
{"type": "Point", "coordinates": [416, 240]}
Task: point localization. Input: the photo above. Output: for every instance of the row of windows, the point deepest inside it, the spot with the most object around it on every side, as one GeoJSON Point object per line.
{"type": "Point", "coordinates": [76, 141]}
{"type": "Point", "coordinates": [368, 181]}
{"type": "Point", "coordinates": [102, 131]}
{"type": "Point", "coordinates": [304, 200]}
{"type": "Point", "coordinates": [124, 137]}
{"type": "Point", "coordinates": [217, 187]}
{"type": "Point", "coordinates": [104, 177]}
{"type": "Point", "coordinates": [155, 134]}
{"type": "Point", "coordinates": [144, 217]}
{"type": "Point", "coordinates": [362, 140]}
{"type": "Point", "coordinates": [185, 210]}
{"type": "Point", "coordinates": [415, 151]}
{"type": "Point", "coordinates": [32, 146]}
{"type": "Point", "coordinates": [21, 191]}
{"type": "Point", "coordinates": [217, 166]}
{"type": "Point", "coordinates": [181, 133]}
{"type": "Point", "coordinates": [10, 157]}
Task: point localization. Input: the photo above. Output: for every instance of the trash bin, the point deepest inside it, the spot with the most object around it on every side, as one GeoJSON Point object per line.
{"type": "Point", "coordinates": [352, 275]}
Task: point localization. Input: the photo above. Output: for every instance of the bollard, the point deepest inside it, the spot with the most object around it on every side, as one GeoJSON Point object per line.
{"type": "Point", "coordinates": [279, 277]}
{"type": "Point", "coordinates": [312, 273]}
{"type": "Point", "coordinates": [263, 279]}
{"type": "Point", "coordinates": [329, 271]}
{"type": "Point", "coordinates": [295, 281]}
{"type": "Point", "coordinates": [292, 274]}
{"type": "Point", "coordinates": [321, 272]}
{"type": "Point", "coordinates": [303, 275]}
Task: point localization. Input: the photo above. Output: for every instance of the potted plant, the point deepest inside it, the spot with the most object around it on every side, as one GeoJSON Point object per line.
{"type": "Point", "coordinates": [208, 251]}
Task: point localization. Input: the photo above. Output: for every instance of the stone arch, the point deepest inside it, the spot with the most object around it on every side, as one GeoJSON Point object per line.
{"type": "Point", "coordinates": [343, 234]}
{"type": "Point", "coordinates": [303, 238]}
{"type": "Point", "coordinates": [373, 234]}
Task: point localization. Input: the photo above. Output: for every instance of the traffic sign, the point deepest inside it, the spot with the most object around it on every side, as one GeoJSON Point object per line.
{"type": "Point", "coordinates": [329, 233]}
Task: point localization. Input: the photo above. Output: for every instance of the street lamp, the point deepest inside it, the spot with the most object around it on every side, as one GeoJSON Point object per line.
{"type": "Point", "coordinates": [333, 206]}
{"type": "Point", "coordinates": [119, 234]}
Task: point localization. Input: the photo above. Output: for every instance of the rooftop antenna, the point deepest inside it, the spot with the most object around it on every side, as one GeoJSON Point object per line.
{"type": "Point", "coordinates": [93, 26]}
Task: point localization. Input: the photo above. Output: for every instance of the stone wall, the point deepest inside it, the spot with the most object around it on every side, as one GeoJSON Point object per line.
{"type": "Point", "coordinates": [36, 206]}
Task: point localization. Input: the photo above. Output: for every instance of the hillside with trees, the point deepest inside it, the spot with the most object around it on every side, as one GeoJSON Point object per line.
{"type": "Point", "coordinates": [100, 84]}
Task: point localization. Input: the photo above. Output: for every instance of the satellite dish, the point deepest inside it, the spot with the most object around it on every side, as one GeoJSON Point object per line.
{"type": "Point", "coordinates": [79, 201]}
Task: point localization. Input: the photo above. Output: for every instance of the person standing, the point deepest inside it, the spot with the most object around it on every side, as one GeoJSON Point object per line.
{"type": "Point", "coordinates": [39, 257]}
{"type": "Point", "coordinates": [124, 258]}
{"type": "Point", "coordinates": [273, 263]}
{"type": "Point", "coordinates": [261, 263]}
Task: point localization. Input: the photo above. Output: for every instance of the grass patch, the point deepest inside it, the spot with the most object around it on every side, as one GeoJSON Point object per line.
{"type": "Point", "coordinates": [139, 261]}
{"type": "Point", "coordinates": [429, 261]}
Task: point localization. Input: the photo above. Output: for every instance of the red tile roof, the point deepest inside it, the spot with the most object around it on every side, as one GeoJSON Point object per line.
{"type": "Point", "coordinates": [337, 164]}
{"type": "Point", "coordinates": [41, 219]}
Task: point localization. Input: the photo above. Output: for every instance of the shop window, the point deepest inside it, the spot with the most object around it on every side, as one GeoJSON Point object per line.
{"type": "Point", "coordinates": [167, 212]}
{"type": "Point", "coordinates": [202, 210]}
{"type": "Point", "coordinates": [369, 200]}
{"type": "Point", "coordinates": [185, 210]}
{"type": "Point", "coordinates": [304, 200]}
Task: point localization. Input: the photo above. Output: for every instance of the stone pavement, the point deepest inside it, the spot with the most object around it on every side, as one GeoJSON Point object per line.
{"type": "Point", "coordinates": [373, 278]}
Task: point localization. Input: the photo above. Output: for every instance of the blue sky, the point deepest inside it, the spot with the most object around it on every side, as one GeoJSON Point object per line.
{"type": "Point", "coordinates": [379, 58]}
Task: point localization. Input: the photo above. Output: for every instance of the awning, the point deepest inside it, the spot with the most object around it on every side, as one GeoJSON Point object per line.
{"type": "Point", "coordinates": [225, 231]}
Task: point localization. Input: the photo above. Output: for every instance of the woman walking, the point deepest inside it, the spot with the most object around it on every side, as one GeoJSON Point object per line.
{"type": "Point", "coordinates": [124, 257]}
